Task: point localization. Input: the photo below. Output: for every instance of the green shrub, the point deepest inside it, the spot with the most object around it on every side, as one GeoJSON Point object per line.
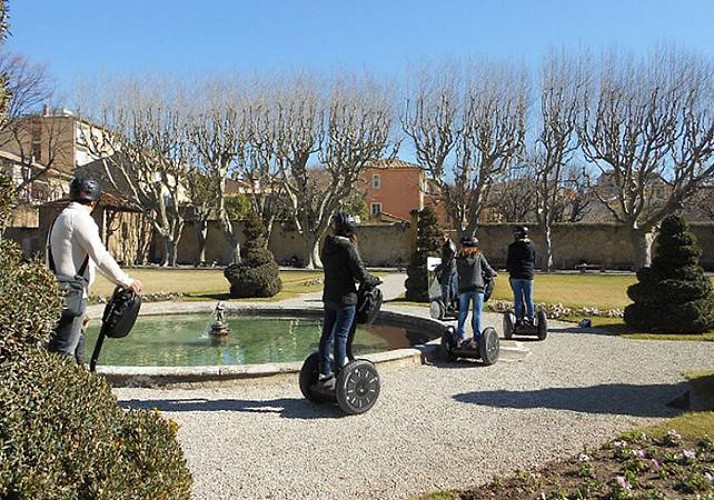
{"type": "Point", "coordinates": [30, 303]}
{"type": "Point", "coordinates": [673, 295]}
{"type": "Point", "coordinates": [63, 435]}
{"type": "Point", "coordinates": [428, 245]}
{"type": "Point", "coordinates": [7, 198]}
{"type": "Point", "coordinates": [257, 275]}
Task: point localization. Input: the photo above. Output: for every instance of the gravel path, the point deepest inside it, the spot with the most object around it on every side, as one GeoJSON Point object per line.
{"type": "Point", "coordinates": [434, 427]}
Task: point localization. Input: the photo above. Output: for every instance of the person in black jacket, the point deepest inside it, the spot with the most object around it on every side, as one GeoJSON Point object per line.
{"type": "Point", "coordinates": [471, 267]}
{"type": "Point", "coordinates": [343, 268]}
{"type": "Point", "coordinates": [521, 269]}
{"type": "Point", "coordinates": [447, 270]}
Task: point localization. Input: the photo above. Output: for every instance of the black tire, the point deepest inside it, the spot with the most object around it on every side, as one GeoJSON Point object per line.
{"type": "Point", "coordinates": [489, 347]}
{"type": "Point", "coordinates": [358, 387]}
{"type": "Point", "coordinates": [309, 373]}
{"type": "Point", "coordinates": [509, 324]}
{"type": "Point", "coordinates": [542, 326]}
{"type": "Point", "coordinates": [447, 345]}
{"type": "Point", "coordinates": [437, 309]}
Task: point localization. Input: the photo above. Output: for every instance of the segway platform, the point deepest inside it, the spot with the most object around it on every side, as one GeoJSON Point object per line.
{"type": "Point", "coordinates": [539, 329]}
{"type": "Point", "coordinates": [487, 349]}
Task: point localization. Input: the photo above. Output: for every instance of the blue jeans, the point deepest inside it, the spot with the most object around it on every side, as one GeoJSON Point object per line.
{"type": "Point", "coordinates": [335, 329]}
{"type": "Point", "coordinates": [465, 299]}
{"type": "Point", "coordinates": [449, 289]}
{"type": "Point", "coordinates": [523, 298]}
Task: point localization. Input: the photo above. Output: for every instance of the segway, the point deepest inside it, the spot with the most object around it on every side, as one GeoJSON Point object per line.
{"type": "Point", "coordinates": [118, 319]}
{"type": "Point", "coordinates": [539, 329]}
{"type": "Point", "coordinates": [358, 385]}
{"type": "Point", "coordinates": [487, 349]}
{"type": "Point", "coordinates": [439, 310]}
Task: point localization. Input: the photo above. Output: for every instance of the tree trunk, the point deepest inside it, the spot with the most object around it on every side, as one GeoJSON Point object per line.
{"type": "Point", "coordinates": [170, 251]}
{"type": "Point", "coordinates": [201, 235]}
{"type": "Point", "coordinates": [548, 248]}
{"type": "Point", "coordinates": [313, 251]}
{"type": "Point", "coordinates": [641, 241]}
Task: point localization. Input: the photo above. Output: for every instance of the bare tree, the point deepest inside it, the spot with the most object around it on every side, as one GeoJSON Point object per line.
{"type": "Point", "coordinates": [347, 130]}
{"type": "Point", "coordinates": [466, 134]}
{"type": "Point", "coordinates": [648, 126]}
{"type": "Point", "coordinates": [562, 85]}
{"type": "Point", "coordinates": [433, 120]}
{"type": "Point", "coordinates": [220, 134]}
{"type": "Point", "coordinates": [260, 167]}
{"type": "Point", "coordinates": [494, 135]}
{"type": "Point", "coordinates": [41, 141]}
{"type": "Point", "coordinates": [514, 199]}
{"type": "Point", "coordinates": [143, 147]}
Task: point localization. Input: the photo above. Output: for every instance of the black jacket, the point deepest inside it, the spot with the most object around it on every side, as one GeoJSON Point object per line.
{"type": "Point", "coordinates": [521, 259]}
{"type": "Point", "coordinates": [471, 270]}
{"type": "Point", "coordinates": [343, 267]}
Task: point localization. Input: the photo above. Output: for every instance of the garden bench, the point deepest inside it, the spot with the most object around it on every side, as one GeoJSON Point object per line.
{"type": "Point", "coordinates": [584, 267]}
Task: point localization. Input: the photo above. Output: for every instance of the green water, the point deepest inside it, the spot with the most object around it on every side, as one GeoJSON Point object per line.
{"type": "Point", "coordinates": [179, 340]}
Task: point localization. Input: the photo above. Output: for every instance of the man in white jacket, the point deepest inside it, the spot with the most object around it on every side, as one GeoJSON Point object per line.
{"type": "Point", "coordinates": [74, 244]}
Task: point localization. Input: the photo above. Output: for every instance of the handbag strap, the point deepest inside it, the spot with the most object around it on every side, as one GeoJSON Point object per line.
{"type": "Point", "coordinates": [82, 268]}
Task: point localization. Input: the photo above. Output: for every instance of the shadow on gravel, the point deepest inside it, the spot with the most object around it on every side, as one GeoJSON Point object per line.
{"type": "Point", "coordinates": [619, 399]}
{"type": "Point", "coordinates": [287, 408]}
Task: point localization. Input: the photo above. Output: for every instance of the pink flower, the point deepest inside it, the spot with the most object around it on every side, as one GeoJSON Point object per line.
{"type": "Point", "coordinates": [623, 482]}
{"type": "Point", "coordinates": [655, 464]}
{"type": "Point", "coordinates": [639, 453]}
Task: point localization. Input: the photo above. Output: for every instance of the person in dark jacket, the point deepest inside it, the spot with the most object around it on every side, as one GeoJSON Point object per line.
{"type": "Point", "coordinates": [471, 266]}
{"type": "Point", "coordinates": [520, 264]}
{"type": "Point", "coordinates": [448, 272]}
{"type": "Point", "coordinates": [343, 268]}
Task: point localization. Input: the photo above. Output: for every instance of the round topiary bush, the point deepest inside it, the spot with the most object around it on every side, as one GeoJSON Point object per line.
{"type": "Point", "coordinates": [673, 295]}
{"type": "Point", "coordinates": [63, 435]}
{"type": "Point", "coordinates": [428, 245]}
{"type": "Point", "coordinates": [257, 274]}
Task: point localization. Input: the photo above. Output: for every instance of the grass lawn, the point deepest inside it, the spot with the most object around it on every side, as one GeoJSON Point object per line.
{"type": "Point", "coordinates": [208, 284]}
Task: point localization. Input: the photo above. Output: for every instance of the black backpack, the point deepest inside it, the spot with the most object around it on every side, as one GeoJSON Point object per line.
{"type": "Point", "coordinates": [369, 301]}
{"type": "Point", "coordinates": [120, 313]}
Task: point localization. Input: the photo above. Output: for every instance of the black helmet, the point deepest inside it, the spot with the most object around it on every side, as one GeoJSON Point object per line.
{"type": "Point", "coordinates": [469, 241]}
{"type": "Point", "coordinates": [520, 232]}
{"type": "Point", "coordinates": [345, 224]}
{"type": "Point", "coordinates": [84, 189]}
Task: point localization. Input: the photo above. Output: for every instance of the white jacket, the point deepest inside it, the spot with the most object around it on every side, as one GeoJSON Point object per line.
{"type": "Point", "coordinates": [75, 235]}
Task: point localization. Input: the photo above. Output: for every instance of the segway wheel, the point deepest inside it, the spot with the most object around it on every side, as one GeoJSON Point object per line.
{"type": "Point", "coordinates": [542, 326]}
{"type": "Point", "coordinates": [448, 343]}
{"type": "Point", "coordinates": [357, 387]}
{"type": "Point", "coordinates": [309, 374]}
{"type": "Point", "coordinates": [509, 324]}
{"type": "Point", "coordinates": [437, 310]}
{"type": "Point", "coordinates": [489, 346]}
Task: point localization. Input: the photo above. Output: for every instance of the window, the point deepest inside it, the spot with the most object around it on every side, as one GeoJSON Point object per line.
{"type": "Point", "coordinates": [376, 181]}
{"type": "Point", "coordinates": [375, 208]}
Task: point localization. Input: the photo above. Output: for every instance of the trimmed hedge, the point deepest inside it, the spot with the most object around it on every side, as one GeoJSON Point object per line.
{"type": "Point", "coordinates": [257, 275]}
{"type": "Point", "coordinates": [30, 304]}
{"type": "Point", "coordinates": [673, 295]}
{"type": "Point", "coordinates": [63, 436]}
{"type": "Point", "coordinates": [428, 245]}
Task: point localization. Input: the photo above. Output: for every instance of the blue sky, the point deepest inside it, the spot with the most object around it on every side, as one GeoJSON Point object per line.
{"type": "Point", "coordinates": [80, 39]}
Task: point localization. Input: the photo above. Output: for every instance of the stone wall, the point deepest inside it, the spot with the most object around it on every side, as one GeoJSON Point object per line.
{"type": "Point", "coordinates": [606, 245]}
